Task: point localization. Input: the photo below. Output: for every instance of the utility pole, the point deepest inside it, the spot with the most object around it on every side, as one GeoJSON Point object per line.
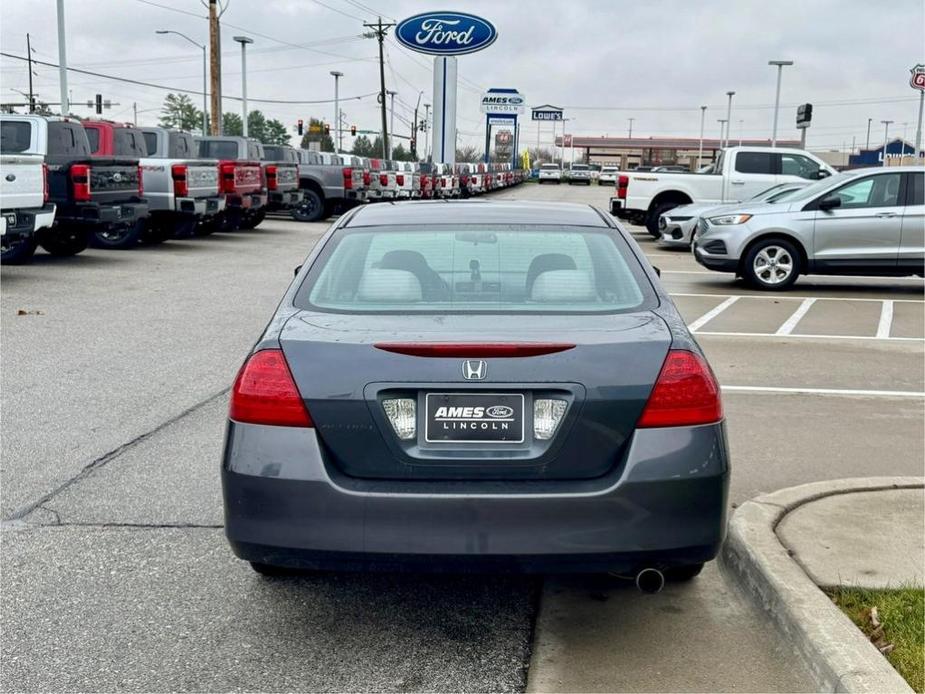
{"type": "Point", "coordinates": [391, 117]}
{"type": "Point", "coordinates": [703, 115]}
{"type": "Point", "coordinates": [29, 60]}
{"type": "Point", "coordinates": [379, 31]}
{"type": "Point", "coordinates": [215, 65]}
{"type": "Point", "coordinates": [62, 61]}
{"type": "Point", "coordinates": [414, 129]}
{"type": "Point", "coordinates": [886, 135]}
{"type": "Point", "coordinates": [631, 127]}
{"type": "Point", "coordinates": [867, 143]}
{"type": "Point", "coordinates": [135, 113]}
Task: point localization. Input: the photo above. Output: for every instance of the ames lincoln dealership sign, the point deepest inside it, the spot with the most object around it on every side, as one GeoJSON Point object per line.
{"type": "Point", "coordinates": [446, 33]}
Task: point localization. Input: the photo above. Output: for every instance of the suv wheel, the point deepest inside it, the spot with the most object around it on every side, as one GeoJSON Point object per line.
{"type": "Point", "coordinates": [310, 209]}
{"type": "Point", "coordinates": [772, 264]}
{"type": "Point", "coordinates": [120, 237]}
{"type": "Point", "coordinates": [18, 253]}
{"type": "Point", "coordinates": [64, 241]}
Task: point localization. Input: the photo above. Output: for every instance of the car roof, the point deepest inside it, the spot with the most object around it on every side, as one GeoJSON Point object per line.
{"type": "Point", "coordinates": [885, 170]}
{"type": "Point", "coordinates": [477, 212]}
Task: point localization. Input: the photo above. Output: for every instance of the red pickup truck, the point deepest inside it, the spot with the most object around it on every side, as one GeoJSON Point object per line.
{"type": "Point", "coordinates": [241, 179]}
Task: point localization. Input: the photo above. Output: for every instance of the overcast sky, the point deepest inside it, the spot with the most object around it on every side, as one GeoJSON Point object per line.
{"type": "Point", "coordinates": [603, 61]}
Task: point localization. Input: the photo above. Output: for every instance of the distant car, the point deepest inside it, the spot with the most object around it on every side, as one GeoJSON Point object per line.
{"type": "Point", "coordinates": [550, 173]}
{"type": "Point", "coordinates": [579, 173]}
{"type": "Point", "coordinates": [595, 172]}
{"type": "Point", "coordinates": [501, 385]}
{"type": "Point", "coordinates": [678, 224]}
{"type": "Point", "coordinates": [608, 175]}
{"type": "Point", "coordinates": [865, 221]}
{"type": "Point", "coordinates": [673, 168]}
{"type": "Point", "coordinates": [643, 168]}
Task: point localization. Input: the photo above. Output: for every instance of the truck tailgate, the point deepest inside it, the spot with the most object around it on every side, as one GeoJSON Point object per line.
{"type": "Point", "coordinates": [202, 179]}
{"type": "Point", "coordinates": [23, 182]}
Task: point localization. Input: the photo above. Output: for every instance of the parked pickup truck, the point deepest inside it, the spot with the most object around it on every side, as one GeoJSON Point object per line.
{"type": "Point", "coordinates": [24, 205]}
{"type": "Point", "coordinates": [241, 181]}
{"type": "Point", "coordinates": [182, 190]}
{"type": "Point", "coordinates": [741, 173]}
{"type": "Point", "coordinates": [330, 184]}
{"type": "Point", "coordinates": [281, 169]}
{"type": "Point", "coordinates": [98, 197]}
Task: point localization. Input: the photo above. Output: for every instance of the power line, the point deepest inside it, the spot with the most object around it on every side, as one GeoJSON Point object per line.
{"type": "Point", "coordinates": [676, 109]}
{"type": "Point", "coordinates": [334, 9]}
{"type": "Point", "coordinates": [172, 9]}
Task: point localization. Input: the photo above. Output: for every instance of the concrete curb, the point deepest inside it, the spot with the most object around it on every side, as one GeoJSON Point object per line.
{"type": "Point", "coordinates": [838, 656]}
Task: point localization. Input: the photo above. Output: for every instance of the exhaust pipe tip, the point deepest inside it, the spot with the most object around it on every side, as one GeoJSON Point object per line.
{"type": "Point", "coordinates": [650, 580]}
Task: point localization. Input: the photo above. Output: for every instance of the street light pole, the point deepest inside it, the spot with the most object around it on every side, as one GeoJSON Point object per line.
{"type": "Point", "coordinates": [631, 127]}
{"type": "Point", "coordinates": [243, 40]}
{"type": "Point", "coordinates": [201, 46]}
{"type": "Point", "coordinates": [780, 69]}
{"type": "Point", "coordinates": [867, 143]}
{"type": "Point", "coordinates": [62, 61]}
{"type": "Point", "coordinates": [886, 132]}
{"type": "Point", "coordinates": [703, 115]}
{"type": "Point", "coordinates": [728, 116]}
{"type": "Point", "coordinates": [722, 128]}
{"type": "Point", "coordinates": [337, 131]}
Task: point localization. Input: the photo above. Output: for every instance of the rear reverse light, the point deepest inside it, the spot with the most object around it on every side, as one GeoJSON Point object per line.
{"type": "Point", "coordinates": [348, 178]}
{"type": "Point", "coordinates": [44, 183]}
{"type": "Point", "coordinates": [686, 393]}
{"type": "Point", "coordinates": [473, 349]}
{"type": "Point", "coordinates": [180, 183]}
{"type": "Point", "coordinates": [226, 175]}
{"type": "Point", "coordinates": [271, 177]}
{"type": "Point", "coordinates": [264, 393]}
{"type": "Point", "coordinates": [141, 183]}
{"type": "Point", "coordinates": [383, 179]}
{"type": "Point", "coordinates": [400, 179]}
{"type": "Point", "coordinates": [623, 183]}
{"type": "Point", "coordinates": [80, 180]}
{"type": "Point", "coordinates": [402, 417]}
{"type": "Point", "coordinates": [547, 413]}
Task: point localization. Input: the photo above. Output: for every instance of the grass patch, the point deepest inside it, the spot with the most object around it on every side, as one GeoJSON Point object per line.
{"type": "Point", "coordinates": [901, 613]}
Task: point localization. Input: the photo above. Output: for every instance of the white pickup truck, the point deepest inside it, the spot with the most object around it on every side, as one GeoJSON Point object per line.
{"type": "Point", "coordinates": [741, 173]}
{"type": "Point", "coordinates": [24, 206]}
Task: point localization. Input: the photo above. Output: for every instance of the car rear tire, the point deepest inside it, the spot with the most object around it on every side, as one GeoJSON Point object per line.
{"type": "Point", "coordinates": [652, 217]}
{"type": "Point", "coordinates": [120, 238]}
{"type": "Point", "coordinates": [680, 574]}
{"type": "Point", "coordinates": [310, 209]}
{"type": "Point", "coordinates": [252, 220]}
{"type": "Point", "coordinates": [65, 242]}
{"type": "Point", "coordinates": [772, 265]}
{"type": "Point", "coordinates": [18, 253]}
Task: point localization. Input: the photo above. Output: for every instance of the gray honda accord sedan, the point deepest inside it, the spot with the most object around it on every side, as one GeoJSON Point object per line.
{"type": "Point", "coordinates": [491, 385]}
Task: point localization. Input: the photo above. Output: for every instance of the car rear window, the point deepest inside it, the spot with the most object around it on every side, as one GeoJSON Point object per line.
{"type": "Point", "coordinates": [93, 137]}
{"type": "Point", "coordinates": [15, 136]}
{"type": "Point", "coordinates": [218, 149]}
{"type": "Point", "coordinates": [465, 269]}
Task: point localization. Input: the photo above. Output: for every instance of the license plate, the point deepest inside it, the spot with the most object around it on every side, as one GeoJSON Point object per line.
{"type": "Point", "coordinates": [10, 219]}
{"type": "Point", "coordinates": [474, 418]}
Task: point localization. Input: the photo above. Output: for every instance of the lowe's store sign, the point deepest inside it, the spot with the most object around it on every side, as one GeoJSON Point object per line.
{"type": "Point", "coordinates": [446, 33]}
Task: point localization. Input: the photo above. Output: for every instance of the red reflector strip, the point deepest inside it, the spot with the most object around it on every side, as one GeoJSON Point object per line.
{"type": "Point", "coordinates": [501, 350]}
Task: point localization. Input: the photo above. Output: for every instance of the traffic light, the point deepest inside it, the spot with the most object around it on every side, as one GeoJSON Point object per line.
{"type": "Point", "coordinates": [327, 129]}
{"type": "Point", "coordinates": [299, 126]}
{"type": "Point", "coordinates": [353, 130]}
{"type": "Point", "coordinates": [99, 104]}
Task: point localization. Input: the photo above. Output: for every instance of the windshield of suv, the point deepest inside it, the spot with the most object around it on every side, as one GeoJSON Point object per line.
{"type": "Point", "coordinates": [468, 269]}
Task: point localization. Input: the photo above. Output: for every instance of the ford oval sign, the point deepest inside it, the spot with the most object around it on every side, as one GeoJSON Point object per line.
{"type": "Point", "coordinates": [446, 33]}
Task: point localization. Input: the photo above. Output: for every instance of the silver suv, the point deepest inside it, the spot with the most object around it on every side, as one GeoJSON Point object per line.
{"type": "Point", "coordinates": [867, 221]}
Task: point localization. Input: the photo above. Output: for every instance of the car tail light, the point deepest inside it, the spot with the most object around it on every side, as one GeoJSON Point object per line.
{"type": "Point", "coordinates": [265, 393]}
{"type": "Point", "coordinates": [80, 180]}
{"type": "Point", "coordinates": [180, 182]}
{"type": "Point", "coordinates": [271, 177]}
{"type": "Point", "coordinates": [44, 183]}
{"type": "Point", "coordinates": [348, 178]}
{"type": "Point", "coordinates": [498, 350]}
{"type": "Point", "coordinates": [402, 416]}
{"type": "Point", "coordinates": [226, 173]}
{"type": "Point", "coordinates": [623, 183]}
{"type": "Point", "coordinates": [383, 179]}
{"type": "Point", "coordinates": [686, 393]}
{"type": "Point", "coordinates": [366, 177]}
{"type": "Point", "coordinates": [464, 179]}
{"type": "Point", "coordinates": [141, 182]}
{"type": "Point", "coordinates": [400, 179]}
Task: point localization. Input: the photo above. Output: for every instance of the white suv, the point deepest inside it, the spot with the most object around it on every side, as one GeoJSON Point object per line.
{"type": "Point", "coordinates": [550, 173]}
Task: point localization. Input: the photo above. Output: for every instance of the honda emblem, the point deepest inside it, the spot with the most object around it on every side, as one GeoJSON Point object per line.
{"type": "Point", "coordinates": [475, 370]}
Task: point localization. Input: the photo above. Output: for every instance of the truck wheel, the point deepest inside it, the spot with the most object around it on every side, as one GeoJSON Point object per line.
{"type": "Point", "coordinates": [18, 253]}
{"type": "Point", "coordinates": [310, 209]}
{"type": "Point", "coordinates": [652, 217]}
{"type": "Point", "coordinates": [230, 219]}
{"type": "Point", "coordinates": [772, 265]}
{"type": "Point", "coordinates": [65, 242]}
{"type": "Point", "coordinates": [156, 231]}
{"type": "Point", "coordinates": [253, 219]}
{"type": "Point", "coordinates": [121, 237]}
{"type": "Point", "coordinates": [184, 228]}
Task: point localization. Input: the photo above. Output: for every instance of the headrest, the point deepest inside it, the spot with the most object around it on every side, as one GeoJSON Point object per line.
{"type": "Point", "coordinates": [389, 286]}
{"type": "Point", "coordinates": [563, 286]}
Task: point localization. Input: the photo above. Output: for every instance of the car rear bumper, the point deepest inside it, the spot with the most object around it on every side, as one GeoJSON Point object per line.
{"type": "Point", "coordinates": [247, 201]}
{"type": "Point", "coordinates": [106, 213]}
{"type": "Point", "coordinates": [200, 207]}
{"type": "Point", "coordinates": [285, 199]}
{"type": "Point", "coordinates": [664, 505]}
{"type": "Point", "coordinates": [20, 224]}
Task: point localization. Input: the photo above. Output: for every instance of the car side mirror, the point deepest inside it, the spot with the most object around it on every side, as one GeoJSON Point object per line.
{"type": "Point", "coordinates": [658, 270]}
{"type": "Point", "coordinates": [830, 202]}
{"type": "Point", "coordinates": [822, 173]}
{"type": "Point", "coordinates": [296, 271]}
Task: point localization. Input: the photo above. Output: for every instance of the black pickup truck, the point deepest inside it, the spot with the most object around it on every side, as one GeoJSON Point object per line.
{"type": "Point", "coordinates": [99, 199]}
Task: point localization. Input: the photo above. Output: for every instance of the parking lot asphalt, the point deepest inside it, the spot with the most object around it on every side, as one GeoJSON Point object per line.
{"type": "Point", "coordinates": [116, 574]}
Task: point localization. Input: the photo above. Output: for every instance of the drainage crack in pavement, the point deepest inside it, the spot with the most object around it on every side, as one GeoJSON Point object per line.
{"type": "Point", "coordinates": [108, 457]}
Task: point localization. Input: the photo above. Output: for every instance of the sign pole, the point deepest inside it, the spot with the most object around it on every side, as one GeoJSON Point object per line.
{"type": "Point", "coordinates": [445, 109]}
{"type": "Point", "coordinates": [918, 130]}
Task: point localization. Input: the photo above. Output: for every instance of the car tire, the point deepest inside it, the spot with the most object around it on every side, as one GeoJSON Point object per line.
{"type": "Point", "coordinates": [63, 242]}
{"type": "Point", "coordinates": [680, 574]}
{"type": "Point", "coordinates": [252, 220]}
{"type": "Point", "coordinates": [19, 253]}
{"type": "Point", "coordinates": [652, 217]}
{"type": "Point", "coordinates": [772, 265]}
{"type": "Point", "coordinates": [156, 231]}
{"type": "Point", "coordinates": [120, 238]}
{"type": "Point", "coordinates": [311, 209]}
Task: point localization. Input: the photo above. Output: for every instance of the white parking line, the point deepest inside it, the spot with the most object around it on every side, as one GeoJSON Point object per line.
{"type": "Point", "coordinates": [698, 333]}
{"type": "Point", "coordinates": [795, 318]}
{"type": "Point", "coordinates": [886, 319]}
{"type": "Point", "coordinates": [712, 313]}
{"type": "Point", "coordinates": [918, 280]}
{"type": "Point", "coordinates": [847, 392]}
{"type": "Point", "coordinates": [778, 297]}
